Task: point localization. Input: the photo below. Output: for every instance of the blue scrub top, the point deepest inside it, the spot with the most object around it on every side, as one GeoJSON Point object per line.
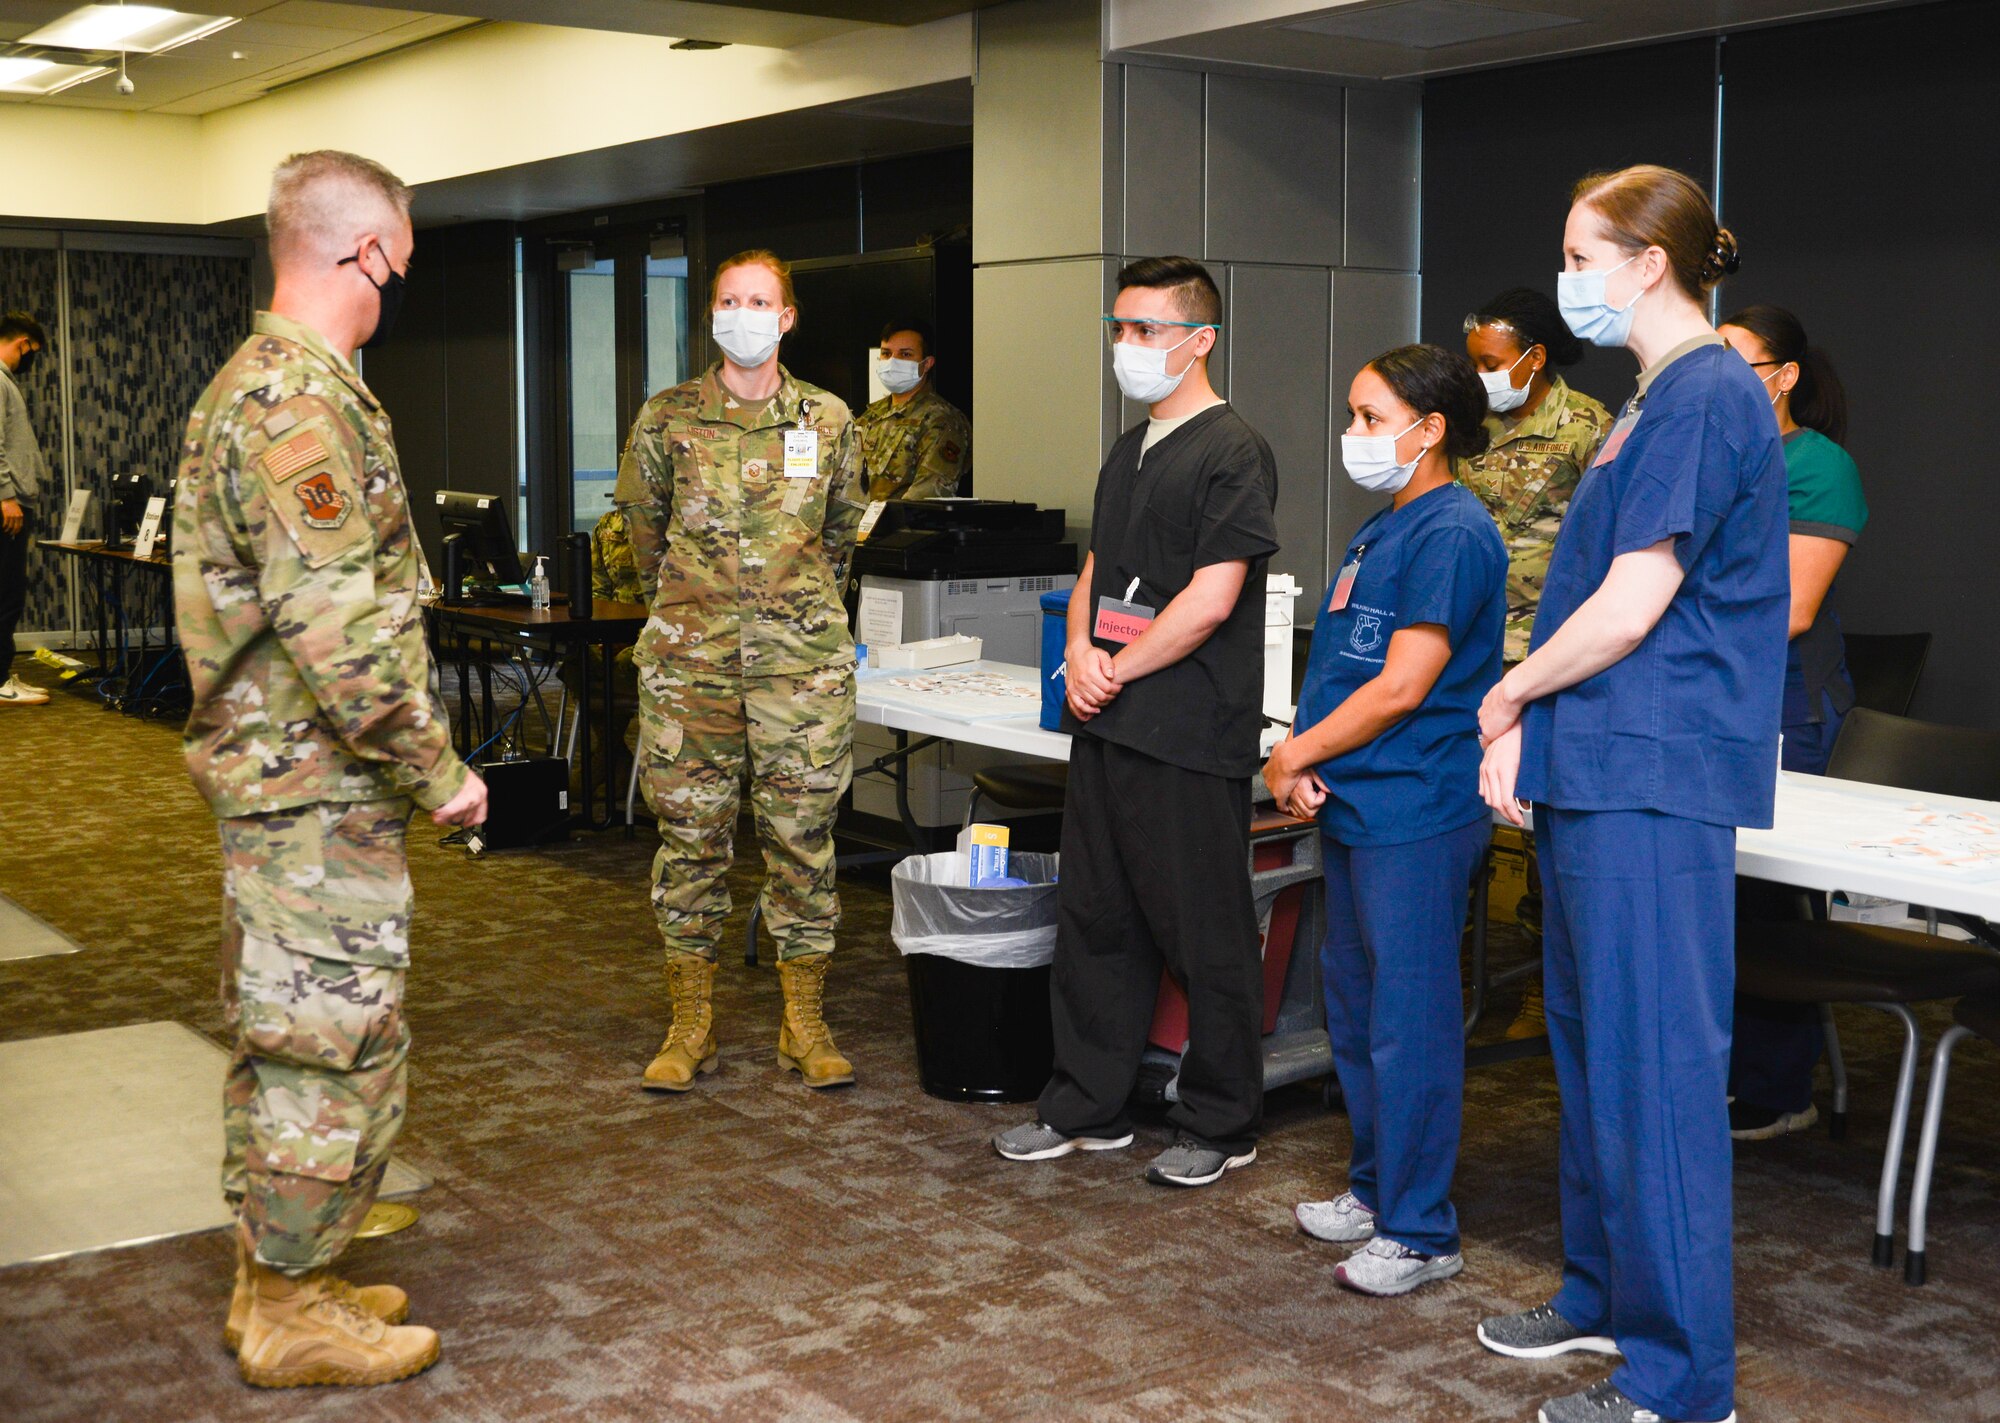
{"type": "Point", "coordinates": [1438, 559]}
{"type": "Point", "coordinates": [1687, 723]}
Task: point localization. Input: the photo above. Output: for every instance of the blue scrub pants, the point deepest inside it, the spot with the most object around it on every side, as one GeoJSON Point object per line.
{"type": "Point", "coordinates": [1777, 1045]}
{"type": "Point", "coordinates": [1394, 918]}
{"type": "Point", "coordinates": [1639, 967]}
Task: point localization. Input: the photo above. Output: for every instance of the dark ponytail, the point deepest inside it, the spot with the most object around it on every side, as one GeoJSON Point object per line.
{"type": "Point", "coordinates": [1819, 400]}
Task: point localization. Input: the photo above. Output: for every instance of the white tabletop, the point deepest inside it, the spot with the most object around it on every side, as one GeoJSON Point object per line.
{"type": "Point", "coordinates": [1829, 834]}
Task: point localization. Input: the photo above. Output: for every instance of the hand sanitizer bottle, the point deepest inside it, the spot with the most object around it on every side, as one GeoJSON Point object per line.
{"type": "Point", "coordinates": [538, 586]}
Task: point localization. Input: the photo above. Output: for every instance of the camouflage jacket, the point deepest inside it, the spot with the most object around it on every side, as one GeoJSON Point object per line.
{"type": "Point", "coordinates": [743, 564]}
{"type": "Point", "coordinates": [614, 577]}
{"type": "Point", "coordinates": [1525, 479]}
{"type": "Point", "coordinates": [296, 574]}
{"type": "Point", "coordinates": [921, 451]}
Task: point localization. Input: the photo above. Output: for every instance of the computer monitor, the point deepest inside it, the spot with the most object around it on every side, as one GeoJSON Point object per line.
{"type": "Point", "coordinates": [486, 543]}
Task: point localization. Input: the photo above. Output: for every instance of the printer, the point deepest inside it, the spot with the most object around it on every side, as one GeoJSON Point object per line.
{"type": "Point", "coordinates": [934, 567]}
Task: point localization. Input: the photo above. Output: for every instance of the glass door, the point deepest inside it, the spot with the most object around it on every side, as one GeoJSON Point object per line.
{"type": "Point", "coordinates": [590, 376]}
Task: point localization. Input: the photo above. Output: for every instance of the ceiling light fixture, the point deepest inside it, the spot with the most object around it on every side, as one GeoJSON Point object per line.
{"type": "Point", "coordinates": [699, 44]}
{"type": "Point", "coordinates": [43, 76]}
{"type": "Point", "coordinates": [139, 29]}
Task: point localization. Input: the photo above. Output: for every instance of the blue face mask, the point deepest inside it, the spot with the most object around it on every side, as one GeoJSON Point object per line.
{"type": "Point", "coordinates": [1580, 298]}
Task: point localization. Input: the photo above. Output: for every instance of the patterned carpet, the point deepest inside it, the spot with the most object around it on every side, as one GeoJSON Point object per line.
{"type": "Point", "coordinates": [756, 1252]}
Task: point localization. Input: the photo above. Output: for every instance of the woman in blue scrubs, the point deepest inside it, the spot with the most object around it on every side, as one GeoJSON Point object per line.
{"type": "Point", "coordinates": [1385, 752]}
{"type": "Point", "coordinates": [1776, 1046]}
{"type": "Point", "coordinates": [1644, 728]}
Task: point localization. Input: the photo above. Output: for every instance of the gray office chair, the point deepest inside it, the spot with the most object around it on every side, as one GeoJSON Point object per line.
{"type": "Point", "coordinates": [1823, 962]}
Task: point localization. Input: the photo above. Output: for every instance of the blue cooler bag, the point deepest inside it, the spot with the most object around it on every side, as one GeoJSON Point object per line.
{"type": "Point", "coordinates": [1055, 642]}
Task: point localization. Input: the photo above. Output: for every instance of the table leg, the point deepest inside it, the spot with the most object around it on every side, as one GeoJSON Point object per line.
{"type": "Point", "coordinates": [584, 763]}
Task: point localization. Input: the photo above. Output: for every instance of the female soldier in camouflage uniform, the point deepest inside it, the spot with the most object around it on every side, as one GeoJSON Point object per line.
{"type": "Point", "coordinates": [741, 489]}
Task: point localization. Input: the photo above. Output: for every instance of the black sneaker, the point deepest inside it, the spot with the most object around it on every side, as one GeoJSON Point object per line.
{"type": "Point", "coordinates": [1540, 1333]}
{"type": "Point", "coordinates": [1603, 1403]}
{"type": "Point", "coordinates": [1188, 1163]}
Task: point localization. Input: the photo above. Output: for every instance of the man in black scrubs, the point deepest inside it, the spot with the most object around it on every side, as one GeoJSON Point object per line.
{"type": "Point", "coordinates": [1165, 673]}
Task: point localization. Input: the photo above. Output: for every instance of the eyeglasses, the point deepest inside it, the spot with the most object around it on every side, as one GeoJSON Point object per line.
{"type": "Point", "coordinates": [1473, 322]}
{"type": "Point", "coordinates": [1147, 332]}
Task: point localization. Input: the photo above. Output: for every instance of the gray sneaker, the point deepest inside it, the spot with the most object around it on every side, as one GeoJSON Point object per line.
{"type": "Point", "coordinates": [1539, 1333]}
{"type": "Point", "coordinates": [1382, 1267]}
{"type": "Point", "coordinates": [1188, 1163]}
{"type": "Point", "coordinates": [1602, 1403]}
{"type": "Point", "coordinates": [1343, 1219]}
{"type": "Point", "coordinates": [1038, 1141]}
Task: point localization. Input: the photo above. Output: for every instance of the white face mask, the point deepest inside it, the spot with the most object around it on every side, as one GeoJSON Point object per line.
{"type": "Point", "coordinates": [899, 377]}
{"type": "Point", "coordinates": [747, 337]}
{"type": "Point", "coordinates": [1501, 396]}
{"type": "Point", "coordinates": [1371, 460]}
{"type": "Point", "coordinates": [1142, 370]}
{"type": "Point", "coordinates": [1580, 297]}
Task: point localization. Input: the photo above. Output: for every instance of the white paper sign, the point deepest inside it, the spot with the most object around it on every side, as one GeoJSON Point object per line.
{"type": "Point", "coordinates": [73, 517]}
{"type": "Point", "coordinates": [869, 518]}
{"type": "Point", "coordinates": [149, 527]}
{"type": "Point", "coordinates": [881, 621]}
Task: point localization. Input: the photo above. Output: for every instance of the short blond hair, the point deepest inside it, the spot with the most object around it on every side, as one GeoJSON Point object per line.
{"type": "Point", "coordinates": [323, 202]}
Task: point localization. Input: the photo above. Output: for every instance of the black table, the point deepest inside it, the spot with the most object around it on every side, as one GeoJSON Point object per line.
{"type": "Point", "coordinates": [125, 680]}
{"type": "Point", "coordinates": [611, 626]}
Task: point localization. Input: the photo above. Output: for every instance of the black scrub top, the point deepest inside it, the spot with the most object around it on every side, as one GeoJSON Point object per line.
{"type": "Point", "coordinates": [1205, 494]}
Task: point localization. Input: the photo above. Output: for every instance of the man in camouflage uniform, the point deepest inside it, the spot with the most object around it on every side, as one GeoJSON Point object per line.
{"type": "Point", "coordinates": [614, 576]}
{"type": "Point", "coordinates": [915, 444]}
{"type": "Point", "coordinates": [741, 489]}
{"type": "Point", "coordinates": [296, 577]}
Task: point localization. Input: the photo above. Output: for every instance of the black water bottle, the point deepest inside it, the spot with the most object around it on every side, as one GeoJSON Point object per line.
{"type": "Point", "coordinates": [579, 576]}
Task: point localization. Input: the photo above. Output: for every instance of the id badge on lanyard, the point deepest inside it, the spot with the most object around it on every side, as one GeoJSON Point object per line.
{"type": "Point", "coordinates": [1613, 442]}
{"type": "Point", "coordinates": [1120, 620]}
{"type": "Point", "coordinates": [1343, 584]}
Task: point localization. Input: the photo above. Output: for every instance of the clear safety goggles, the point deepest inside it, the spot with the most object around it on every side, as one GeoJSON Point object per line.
{"type": "Point", "coordinates": [1148, 333]}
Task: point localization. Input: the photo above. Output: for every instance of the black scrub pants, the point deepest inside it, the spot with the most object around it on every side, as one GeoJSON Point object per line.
{"type": "Point", "coordinates": [13, 585]}
{"type": "Point", "coordinates": [1155, 869]}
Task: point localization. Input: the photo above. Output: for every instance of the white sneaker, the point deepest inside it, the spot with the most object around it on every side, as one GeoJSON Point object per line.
{"type": "Point", "coordinates": [1342, 1219]}
{"type": "Point", "coordinates": [16, 693]}
{"type": "Point", "coordinates": [1382, 1267]}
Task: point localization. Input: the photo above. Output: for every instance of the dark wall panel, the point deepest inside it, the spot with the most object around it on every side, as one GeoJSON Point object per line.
{"type": "Point", "coordinates": [1502, 149]}
{"type": "Point", "coordinates": [446, 377]}
{"type": "Point", "coordinates": [1847, 180]}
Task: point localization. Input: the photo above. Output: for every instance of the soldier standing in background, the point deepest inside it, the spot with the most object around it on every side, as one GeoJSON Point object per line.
{"type": "Point", "coordinates": [742, 492]}
{"type": "Point", "coordinates": [296, 575]}
{"type": "Point", "coordinates": [22, 342]}
{"type": "Point", "coordinates": [915, 444]}
{"type": "Point", "coordinates": [1541, 435]}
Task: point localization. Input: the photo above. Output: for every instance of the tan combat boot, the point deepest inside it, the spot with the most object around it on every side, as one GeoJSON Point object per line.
{"type": "Point", "coordinates": [805, 1042]}
{"type": "Point", "coordinates": [690, 1046]}
{"type": "Point", "coordinates": [1531, 1021]}
{"type": "Point", "coordinates": [302, 1331]}
{"type": "Point", "coordinates": [385, 1302]}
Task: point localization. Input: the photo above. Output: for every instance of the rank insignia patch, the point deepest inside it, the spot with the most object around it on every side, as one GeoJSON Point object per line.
{"type": "Point", "coordinates": [300, 452]}
{"type": "Point", "coordinates": [326, 504]}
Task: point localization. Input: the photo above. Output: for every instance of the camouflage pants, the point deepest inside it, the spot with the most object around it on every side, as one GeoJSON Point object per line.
{"type": "Point", "coordinates": [795, 735]}
{"type": "Point", "coordinates": [315, 941]}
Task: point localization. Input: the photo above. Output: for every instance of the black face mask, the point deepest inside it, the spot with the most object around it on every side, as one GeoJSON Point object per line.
{"type": "Point", "coordinates": [28, 361]}
{"type": "Point", "coordinates": [389, 295]}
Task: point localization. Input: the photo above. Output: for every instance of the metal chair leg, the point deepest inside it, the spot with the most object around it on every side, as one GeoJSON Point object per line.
{"type": "Point", "coordinates": [1920, 1188]}
{"type": "Point", "coordinates": [1836, 1127]}
{"type": "Point", "coordinates": [632, 781]}
{"type": "Point", "coordinates": [1899, 1124]}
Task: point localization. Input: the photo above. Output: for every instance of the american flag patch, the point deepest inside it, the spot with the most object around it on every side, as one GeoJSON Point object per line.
{"type": "Point", "coordinates": [300, 452]}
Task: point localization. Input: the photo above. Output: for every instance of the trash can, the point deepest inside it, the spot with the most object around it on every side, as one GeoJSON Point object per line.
{"type": "Point", "coordinates": [978, 964]}
{"type": "Point", "coordinates": [1055, 647]}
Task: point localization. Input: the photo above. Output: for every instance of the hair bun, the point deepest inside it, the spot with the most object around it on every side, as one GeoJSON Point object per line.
{"type": "Point", "coordinates": [1722, 259]}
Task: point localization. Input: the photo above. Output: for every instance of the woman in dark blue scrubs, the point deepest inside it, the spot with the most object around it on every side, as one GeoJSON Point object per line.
{"type": "Point", "coordinates": [1644, 728]}
{"type": "Point", "coordinates": [1776, 1046]}
{"type": "Point", "coordinates": [1385, 751]}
